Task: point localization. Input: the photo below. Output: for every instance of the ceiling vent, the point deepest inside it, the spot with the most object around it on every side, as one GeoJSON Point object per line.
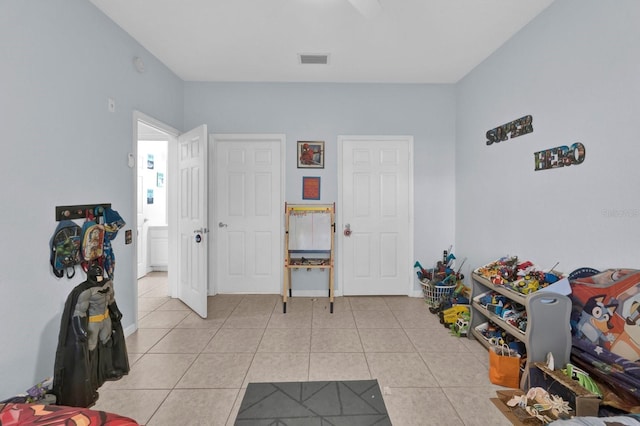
{"type": "Point", "coordinates": [314, 59]}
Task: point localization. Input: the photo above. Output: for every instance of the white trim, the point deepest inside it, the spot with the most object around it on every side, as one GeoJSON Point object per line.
{"type": "Point", "coordinates": [339, 222]}
{"type": "Point", "coordinates": [128, 331]}
{"type": "Point", "coordinates": [150, 121]}
{"type": "Point", "coordinates": [213, 151]}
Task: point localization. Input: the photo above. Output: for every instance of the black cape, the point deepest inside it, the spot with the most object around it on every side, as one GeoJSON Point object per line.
{"type": "Point", "coordinates": [77, 373]}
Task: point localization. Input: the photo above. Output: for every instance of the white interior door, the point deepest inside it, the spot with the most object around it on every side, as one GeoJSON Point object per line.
{"type": "Point", "coordinates": [192, 220]}
{"type": "Point", "coordinates": [249, 208]}
{"type": "Point", "coordinates": [376, 190]}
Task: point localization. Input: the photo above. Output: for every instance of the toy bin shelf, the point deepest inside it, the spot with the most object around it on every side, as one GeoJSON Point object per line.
{"type": "Point", "coordinates": [547, 330]}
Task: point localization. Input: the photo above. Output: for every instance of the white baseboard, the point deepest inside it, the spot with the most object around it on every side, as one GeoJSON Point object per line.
{"type": "Point", "coordinates": [130, 330]}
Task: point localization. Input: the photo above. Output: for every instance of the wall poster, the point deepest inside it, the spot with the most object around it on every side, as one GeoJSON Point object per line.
{"type": "Point", "coordinates": [310, 188]}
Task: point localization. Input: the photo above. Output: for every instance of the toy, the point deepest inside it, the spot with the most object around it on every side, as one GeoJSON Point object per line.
{"type": "Point", "coordinates": [422, 273]}
{"type": "Point", "coordinates": [500, 271]}
{"type": "Point", "coordinates": [91, 344]}
{"type": "Point", "coordinates": [460, 296]}
{"type": "Point", "coordinates": [441, 285]}
{"type": "Point", "coordinates": [492, 298]}
{"type": "Point", "coordinates": [451, 315]}
{"type": "Point", "coordinates": [493, 333]}
{"type": "Point", "coordinates": [461, 327]}
{"type": "Point", "coordinates": [583, 378]}
{"type": "Point", "coordinates": [444, 304]}
{"type": "Point", "coordinates": [527, 285]}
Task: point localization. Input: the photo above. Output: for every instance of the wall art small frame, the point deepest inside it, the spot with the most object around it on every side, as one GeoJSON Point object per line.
{"type": "Point", "coordinates": [311, 154]}
{"type": "Point", "coordinates": [310, 187]}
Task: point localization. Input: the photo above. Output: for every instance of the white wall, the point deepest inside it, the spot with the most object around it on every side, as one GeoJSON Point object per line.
{"type": "Point", "coordinates": [61, 60]}
{"type": "Point", "coordinates": [325, 111]}
{"type": "Point", "coordinates": [575, 69]}
{"type": "Point", "coordinates": [156, 211]}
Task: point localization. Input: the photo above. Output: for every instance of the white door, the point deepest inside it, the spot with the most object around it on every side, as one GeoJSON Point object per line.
{"type": "Point", "coordinates": [192, 220]}
{"type": "Point", "coordinates": [375, 193]}
{"type": "Point", "coordinates": [249, 212]}
{"type": "Point", "coordinates": [141, 239]}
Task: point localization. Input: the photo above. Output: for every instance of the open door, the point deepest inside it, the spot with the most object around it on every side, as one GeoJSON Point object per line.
{"type": "Point", "coordinates": [193, 232]}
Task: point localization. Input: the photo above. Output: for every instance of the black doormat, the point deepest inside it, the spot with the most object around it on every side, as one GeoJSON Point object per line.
{"type": "Point", "coordinates": [342, 403]}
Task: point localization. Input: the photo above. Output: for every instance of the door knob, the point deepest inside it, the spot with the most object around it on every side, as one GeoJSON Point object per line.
{"type": "Point", "coordinates": [222, 225]}
{"type": "Point", "coordinates": [347, 230]}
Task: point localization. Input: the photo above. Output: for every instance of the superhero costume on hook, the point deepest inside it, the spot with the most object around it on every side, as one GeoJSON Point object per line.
{"type": "Point", "coordinates": [91, 345]}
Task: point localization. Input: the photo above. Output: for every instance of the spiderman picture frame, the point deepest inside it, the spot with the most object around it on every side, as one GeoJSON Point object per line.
{"type": "Point", "coordinates": [310, 155]}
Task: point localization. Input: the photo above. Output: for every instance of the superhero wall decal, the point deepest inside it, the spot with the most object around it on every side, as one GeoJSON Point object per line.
{"type": "Point", "coordinates": [551, 158]}
{"type": "Point", "coordinates": [513, 129]}
{"type": "Point", "coordinates": [559, 157]}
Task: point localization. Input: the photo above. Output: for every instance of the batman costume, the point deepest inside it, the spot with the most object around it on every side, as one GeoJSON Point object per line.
{"type": "Point", "coordinates": [91, 345]}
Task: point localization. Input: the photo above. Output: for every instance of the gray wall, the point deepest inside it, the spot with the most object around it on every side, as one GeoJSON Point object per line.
{"type": "Point", "coordinates": [61, 60]}
{"type": "Point", "coordinates": [575, 70]}
{"type": "Point", "coordinates": [325, 111]}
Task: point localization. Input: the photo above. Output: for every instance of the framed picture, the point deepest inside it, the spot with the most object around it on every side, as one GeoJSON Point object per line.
{"type": "Point", "coordinates": [310, 188]}
{"type": "Point", "coordinates": [160, 180]}
{"type": "Point", "coordinates": [311, 155]}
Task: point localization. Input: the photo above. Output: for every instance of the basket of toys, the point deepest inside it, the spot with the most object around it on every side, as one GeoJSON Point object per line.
{"type": "Point", "coordinates": [435, 292]}
{"type": "Point", "coordinates": [442, 282]}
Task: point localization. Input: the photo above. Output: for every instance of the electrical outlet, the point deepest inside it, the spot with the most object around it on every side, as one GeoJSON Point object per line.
{"type": "Point", "coordinates": [111, 105]}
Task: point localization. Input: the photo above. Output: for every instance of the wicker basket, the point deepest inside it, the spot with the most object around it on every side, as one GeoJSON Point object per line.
{"type": "Point", "coordinates": [434, 294]}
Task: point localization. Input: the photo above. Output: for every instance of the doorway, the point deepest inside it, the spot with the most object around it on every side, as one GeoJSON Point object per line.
{"type": "Point", "coordinates": [149, 131]}
{"type": "Point", "coordinates": [185, 180]}
{"type": "Point", "coordinates": [151, 211]}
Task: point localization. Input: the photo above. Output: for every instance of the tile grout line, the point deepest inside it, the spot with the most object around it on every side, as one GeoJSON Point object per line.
{"type": "Point", "coordinates": [237, 400]}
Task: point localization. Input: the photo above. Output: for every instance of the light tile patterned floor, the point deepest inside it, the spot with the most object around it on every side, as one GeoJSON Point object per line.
{"type": "Point", "coordinates": [186, 370]}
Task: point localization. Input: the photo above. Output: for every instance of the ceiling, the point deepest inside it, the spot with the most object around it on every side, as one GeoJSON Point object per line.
{"type": "Point", "coordinates": [374, 41]}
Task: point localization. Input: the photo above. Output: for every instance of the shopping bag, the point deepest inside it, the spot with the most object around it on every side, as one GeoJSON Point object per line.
{"type": "Point", "coordinates": [504, 366]}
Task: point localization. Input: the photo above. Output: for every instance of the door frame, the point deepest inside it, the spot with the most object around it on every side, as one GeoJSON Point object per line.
{"type": "Point", "coordinates": [339, 213]}
{"type": "Point", "coordinates": [172, 212]}
{"type": "Point", "coordinates": [214, 138]}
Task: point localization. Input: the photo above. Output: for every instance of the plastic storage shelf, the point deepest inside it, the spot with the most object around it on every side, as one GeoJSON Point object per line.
{"type": "Point", "coordinates": [547, 330]}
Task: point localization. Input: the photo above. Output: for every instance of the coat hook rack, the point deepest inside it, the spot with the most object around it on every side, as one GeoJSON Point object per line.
{"type": "Point", "coordinates": [77, 211]}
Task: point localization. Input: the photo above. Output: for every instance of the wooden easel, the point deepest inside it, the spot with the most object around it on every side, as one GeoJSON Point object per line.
{"type": "Point", "coordinates": [309, 229]}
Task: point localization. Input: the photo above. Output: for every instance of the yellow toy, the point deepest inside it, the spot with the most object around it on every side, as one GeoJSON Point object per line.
{"type": "Point", "coordinates": [526, 285]}
{"type": "Point", "coordinates": [451, 315]}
